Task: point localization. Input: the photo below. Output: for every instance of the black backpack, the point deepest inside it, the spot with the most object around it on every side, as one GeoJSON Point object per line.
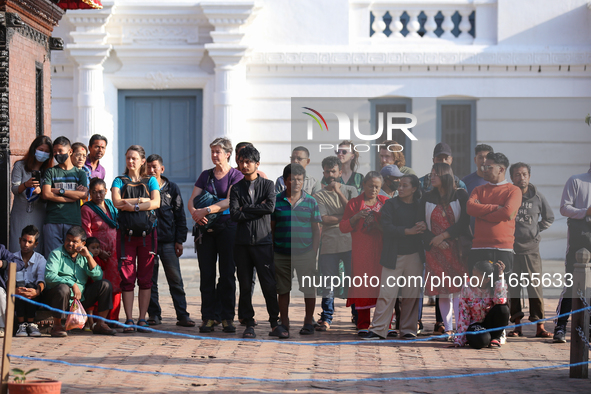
{"type": "Point", "coordinates": [136, 224]}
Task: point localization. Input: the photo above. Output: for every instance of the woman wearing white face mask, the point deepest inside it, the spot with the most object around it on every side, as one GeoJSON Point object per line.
{"type": "Point", "coordinates": [27, 207]}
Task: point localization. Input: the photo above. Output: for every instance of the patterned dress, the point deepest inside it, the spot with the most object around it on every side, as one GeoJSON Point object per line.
{"type": "Point", "coordinates": [443, 261]}
{"type": "Point", "coordinates": [366, 251]}
{"type": "Point", "coordinates": [475, 302]}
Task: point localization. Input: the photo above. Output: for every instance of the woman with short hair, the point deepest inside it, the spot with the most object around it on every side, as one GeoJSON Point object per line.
{"type": "Point", "coordinates": [362, 220]}
{"type": "Point", "coordinates": [216, 242]}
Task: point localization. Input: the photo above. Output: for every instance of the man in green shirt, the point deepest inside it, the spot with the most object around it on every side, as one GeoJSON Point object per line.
{"type": "Point", "coordinates": [67, 272]}
{"type": "Point", "coordinates": [63, 187]}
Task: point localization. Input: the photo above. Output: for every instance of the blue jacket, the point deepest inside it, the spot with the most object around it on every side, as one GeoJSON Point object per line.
{"type": "Point", "coordinates": [6, 258]}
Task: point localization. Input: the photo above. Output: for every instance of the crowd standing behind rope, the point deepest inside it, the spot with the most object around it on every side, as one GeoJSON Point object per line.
{"type": "Point", "coordinates": [71, 243]}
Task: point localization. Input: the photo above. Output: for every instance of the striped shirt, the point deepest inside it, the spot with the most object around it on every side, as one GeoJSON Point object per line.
{"type": "Point", "coordinates": [293, 225]}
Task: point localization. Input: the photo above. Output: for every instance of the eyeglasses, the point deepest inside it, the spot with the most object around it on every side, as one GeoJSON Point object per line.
{"type": "Point", "coordinates": [80, 156]}
{"type": "Point", "coordinates": [486, 168]}
{"type": "Point", "coordinates": [341, 152]}
{"type": "Point", "coordinates": [297, 158]}
{"type": "Point", "coordinates": [98, 192]}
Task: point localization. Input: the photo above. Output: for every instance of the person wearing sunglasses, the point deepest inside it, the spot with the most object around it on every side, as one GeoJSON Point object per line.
{"type": "Point", "coordinates": [300, 155]}
{"type": "Point", "coordinates": [349, 158]}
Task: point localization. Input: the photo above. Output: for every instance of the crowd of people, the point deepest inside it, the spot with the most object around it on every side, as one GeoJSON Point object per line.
{"type": "Point", "coordinates": [71, 242]}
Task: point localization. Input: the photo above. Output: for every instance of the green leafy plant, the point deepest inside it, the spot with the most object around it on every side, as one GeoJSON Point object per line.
{"type": "Point", "coordinates": [20, 376]}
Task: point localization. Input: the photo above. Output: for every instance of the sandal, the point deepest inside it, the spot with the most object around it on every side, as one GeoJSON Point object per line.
{"type": "Point", "coordinates": [544, 334]}
{"type": "Point", "coordinates": [184, 323]}
{"type": "Point", "coordinates": [322, 326]}
{"type": "Point", "coordinates": [307, 329]}
{"type": "Point", "coordinates": [145, 324]}
{"type": "Point", "coordinates": [439, 328]}
{"type": "Point", "coordinates": [127, 330]}
{"type": "Point", "coordinates": [517, 333]}
{"type": "Point", "coordinates": [249, 333]}
{"type": "Point", "coordinates": [495, 343]}
{"type": "Point", "coordinates": [280, 332]}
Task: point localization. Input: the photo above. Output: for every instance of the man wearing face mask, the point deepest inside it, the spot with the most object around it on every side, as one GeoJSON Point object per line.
{"type": "Point", "coordinates": [391, 175]}
{"type": "Point", "coordinates": [63, 187]}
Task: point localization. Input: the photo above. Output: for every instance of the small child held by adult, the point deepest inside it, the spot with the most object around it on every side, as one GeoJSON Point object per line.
{"type": "Point", "coordinates": [30, 282]}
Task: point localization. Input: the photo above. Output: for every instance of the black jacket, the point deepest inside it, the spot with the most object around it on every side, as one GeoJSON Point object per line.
{"type": "Point", "coordinates": [253, 217]}
{"type": "Point", "coordinates": [396, 217]}
{"type": "Point", "coordinates": [172, 223]}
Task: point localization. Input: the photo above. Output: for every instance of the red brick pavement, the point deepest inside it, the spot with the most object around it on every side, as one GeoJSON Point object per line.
{"type": "Point", "coordinates": [165, 353]}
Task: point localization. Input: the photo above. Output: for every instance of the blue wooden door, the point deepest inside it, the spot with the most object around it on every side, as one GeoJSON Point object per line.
{"type": "Point", "coordinates": [167, 123]}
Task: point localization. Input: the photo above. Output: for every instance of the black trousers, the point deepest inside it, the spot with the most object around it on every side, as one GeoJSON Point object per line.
{"type": "Point", "coordinates": [26, 309]}
{"type": "Point", "coordinates": [260, 257]}
{"type": "Point", "coordinates": [100, 291]}
{"type": "Point", "coordinates": [578, 238]}
{"type": "Point", "coordinates": [493, 255]}
{"type": "Point", "coordinates": [217, 248]}
{"type": "Point", "coordinates": [498, 316]}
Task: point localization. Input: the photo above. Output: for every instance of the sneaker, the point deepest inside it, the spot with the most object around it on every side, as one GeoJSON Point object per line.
{"type": "Point", "coordinates": [207, 326]}
{"type": "Point", "coordinates": [22, 330]}
{"type": "Point", "coordinates": [33, 330]}
{"type": "Point", "coordinates": [371, 336]}
{"type": "Point", "coordinates": [228, 326]}
{"type": "Point", "coordinates": [1, 332]}
{"type": "Point", "coordinates": [503, 339]}
{"type": "Point", "coordinates": [560, 334]}
{"type": "Point", "coordinates": [392, 333]}
{"type": "Point", "coordinates": [409, 336]}
{"type": "Point", "coordinates": [420, 327]}
{"type": "Point", "coordinates": [363, 332]}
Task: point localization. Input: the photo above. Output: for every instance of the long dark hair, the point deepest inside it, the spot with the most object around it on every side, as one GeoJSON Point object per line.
{"type": "Point", "coordinates": [448, 183]}
{"type": "Point", "coordinates": [142, 153]}
{"type": "Point", "coordinates": [29, 158]}
{"type": "Point", "coordinates": [414, 182]}
{"type": "Point", "coordinates": [355, 159]}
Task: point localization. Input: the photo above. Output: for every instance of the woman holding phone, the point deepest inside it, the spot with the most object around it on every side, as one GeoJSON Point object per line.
{"type": "Point", "coordinates": [28, 208]}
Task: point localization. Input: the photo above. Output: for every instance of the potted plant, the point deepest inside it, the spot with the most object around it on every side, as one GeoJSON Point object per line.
{"type": "Point", "coordinates": [20, 384]}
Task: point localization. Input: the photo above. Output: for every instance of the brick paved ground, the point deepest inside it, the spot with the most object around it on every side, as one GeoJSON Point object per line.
{"type": "Point", "coordinates": [276, 360]}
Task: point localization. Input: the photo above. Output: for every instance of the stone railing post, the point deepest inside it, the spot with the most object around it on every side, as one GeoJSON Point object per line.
{"type": "Point", "coordinates": [579, 353]}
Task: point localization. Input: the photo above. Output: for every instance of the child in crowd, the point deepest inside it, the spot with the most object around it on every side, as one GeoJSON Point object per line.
{"type": "Point", "coordinates": [30, 282]}
{"type": "Point", "coordinates": [94, 246]}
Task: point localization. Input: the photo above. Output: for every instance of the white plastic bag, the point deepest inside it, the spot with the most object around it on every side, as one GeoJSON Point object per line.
{"type": "Point", "coordinates": [79, 319]}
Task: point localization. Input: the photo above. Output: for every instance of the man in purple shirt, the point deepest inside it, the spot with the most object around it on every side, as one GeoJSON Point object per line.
{"type": "Point", "coordinates": [96, 150]}
{"type": "Point", "coordinates": [575, 204]}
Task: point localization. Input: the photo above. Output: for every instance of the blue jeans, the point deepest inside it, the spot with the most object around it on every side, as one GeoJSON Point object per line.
{"type": "Point", "coordinates": [172, 270]}
{"type": "Point", "coordinates": [329, 266]}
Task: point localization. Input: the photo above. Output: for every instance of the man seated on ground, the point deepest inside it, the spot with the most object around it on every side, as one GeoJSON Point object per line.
{"type": "Point", "coordinates": [6, 258]}
{"type": "Point", "coordinates": [30, 282]}
{"type": "Point", "coordinates": [67, 272]}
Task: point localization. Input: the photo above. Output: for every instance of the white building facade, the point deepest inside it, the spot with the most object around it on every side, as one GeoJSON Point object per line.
{"type": "Point", "coordinates": [173, 75]}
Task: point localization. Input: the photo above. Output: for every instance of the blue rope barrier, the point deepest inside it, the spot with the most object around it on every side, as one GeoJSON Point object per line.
{"type": "Point", "coordinates": [348, 343]}
{"type": "Point", "coordinates": [268, 380]}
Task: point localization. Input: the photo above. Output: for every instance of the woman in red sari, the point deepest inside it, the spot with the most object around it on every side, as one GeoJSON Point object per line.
{"type": "Point", "coordinates": [362, 220]}
{"type": "Point", "coordinates": [99, 220]}
{"type": "Point", "coordinates": [444, 212]}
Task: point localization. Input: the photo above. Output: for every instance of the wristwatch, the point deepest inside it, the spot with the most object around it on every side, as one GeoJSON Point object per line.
{"type": "Point", "coordinates": [208, 209]}
{"type": "Point", "coordinates": [137, 207]}
{"type": "Point", "coordinates": [62, 191]}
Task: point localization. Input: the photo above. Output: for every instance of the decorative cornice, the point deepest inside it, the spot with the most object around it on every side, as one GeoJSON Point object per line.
{"type": "Point", "coordinates": [159, 80]}
{"type": "Point", "coordinates": [45, 10]}
{"type": "Point", "coordinates": [159, 34]}
{"type": "Point", "coordinates": [432, 58]}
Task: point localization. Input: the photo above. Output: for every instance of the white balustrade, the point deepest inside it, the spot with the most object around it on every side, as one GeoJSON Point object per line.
{"type": "Point", "coordinates": [424, 23]}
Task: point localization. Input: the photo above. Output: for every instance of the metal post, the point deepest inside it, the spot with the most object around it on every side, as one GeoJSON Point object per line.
{"type": "Point", "coordinates": [581, 287]}
{"type": "Point", "coordinates": [10, 289]}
